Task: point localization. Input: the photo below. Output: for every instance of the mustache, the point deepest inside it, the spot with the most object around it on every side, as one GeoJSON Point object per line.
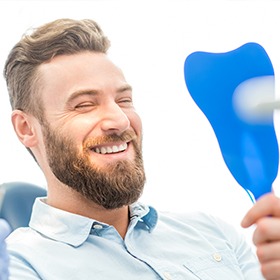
{"type": "Point", "coordinates": [126, 136]}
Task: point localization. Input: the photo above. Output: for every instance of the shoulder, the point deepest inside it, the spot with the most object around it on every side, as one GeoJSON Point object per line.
{"type": "Point", "coordinates": [204, 223]}
{"type": "Point", "coordinates": [22, 237]}
{"type": "Point", "coordinates": [192, 218]}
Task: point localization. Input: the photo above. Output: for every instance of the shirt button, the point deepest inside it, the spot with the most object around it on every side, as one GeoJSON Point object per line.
{"type": "Point", "coordinates": [167, 276]}
{"type": "Point", "coordinates": [97, 226]}
{"type": "Point", "coordinates": [217, 257]}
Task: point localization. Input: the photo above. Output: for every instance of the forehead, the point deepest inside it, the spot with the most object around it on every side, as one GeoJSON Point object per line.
{"type": "Point", "coordinates": [66, 74]}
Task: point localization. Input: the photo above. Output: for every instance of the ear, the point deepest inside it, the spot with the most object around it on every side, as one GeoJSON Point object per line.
{"type": "Point", "coordinates": [24, 126]}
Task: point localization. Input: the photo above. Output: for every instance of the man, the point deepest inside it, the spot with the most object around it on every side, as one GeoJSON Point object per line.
{"type": "Point", "coordinates": [73, 110]}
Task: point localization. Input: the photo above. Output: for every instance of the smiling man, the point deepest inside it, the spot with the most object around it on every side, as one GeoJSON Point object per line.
{"type": "Point", "coordinates": [91, 132]}
{"type": "Point", "coordinates": [73, 110]}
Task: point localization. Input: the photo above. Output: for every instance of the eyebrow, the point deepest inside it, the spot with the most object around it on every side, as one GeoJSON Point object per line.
{"type": "Point", "coordinates": [92, 92]}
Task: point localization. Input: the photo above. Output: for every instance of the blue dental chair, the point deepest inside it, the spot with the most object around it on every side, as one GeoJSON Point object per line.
{"type": "Point", "coordinates": [16, 202]}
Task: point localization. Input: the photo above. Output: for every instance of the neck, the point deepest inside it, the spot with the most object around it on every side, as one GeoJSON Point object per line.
{"type": "Point", "coordinates": [71, 201]}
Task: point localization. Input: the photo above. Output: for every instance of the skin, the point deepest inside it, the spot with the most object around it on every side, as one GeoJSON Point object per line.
{"type": "Point", "coordinates": [265, 215]}
{"type": "Point", "coordinates": [84, 95]}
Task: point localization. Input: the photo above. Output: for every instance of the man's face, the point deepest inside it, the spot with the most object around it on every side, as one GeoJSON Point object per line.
{"type": "Point", "coordinates": [92, 134]}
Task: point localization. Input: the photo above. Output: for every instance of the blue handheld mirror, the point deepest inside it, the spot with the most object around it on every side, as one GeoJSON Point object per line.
{"type": "Point", "coordinates": [234, 90]}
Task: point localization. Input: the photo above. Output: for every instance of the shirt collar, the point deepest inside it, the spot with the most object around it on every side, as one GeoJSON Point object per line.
{"type": "Point", "coordinates": [59, 225]}
{"type": "Point", "coordinates": [74, 229]}
{"type": "Point", "coordinates": [145, 214]}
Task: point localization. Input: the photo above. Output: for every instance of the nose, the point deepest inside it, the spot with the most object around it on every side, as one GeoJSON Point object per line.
{"type": "Point", "coordinates": [114, 119]}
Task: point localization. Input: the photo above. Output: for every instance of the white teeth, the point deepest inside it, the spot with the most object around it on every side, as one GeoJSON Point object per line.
{"type": "Point", "coordinates": [110, 150]}
{"type": "Point", "coordinates": [115, 149]}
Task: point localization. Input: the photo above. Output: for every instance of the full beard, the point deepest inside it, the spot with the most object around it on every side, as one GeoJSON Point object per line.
{"type": "Point", "coordinates": [116, 185]}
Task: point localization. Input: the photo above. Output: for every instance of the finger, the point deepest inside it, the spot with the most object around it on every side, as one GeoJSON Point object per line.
{"type": "Point", "coordinates": [267, 205]}
{"type": "Point", "coordinates": [267, 230]}
{"type": "Point", "coordinates": [270, 270]}
{"type": "Point", "coordinates": [268, 252]}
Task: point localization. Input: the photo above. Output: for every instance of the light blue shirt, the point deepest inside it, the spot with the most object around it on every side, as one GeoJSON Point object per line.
{"type": "Point", "coordinates": [63, 246]}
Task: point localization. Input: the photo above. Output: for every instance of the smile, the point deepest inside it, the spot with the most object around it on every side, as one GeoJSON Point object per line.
{"type": "Point", "coordinates": [110, 149]}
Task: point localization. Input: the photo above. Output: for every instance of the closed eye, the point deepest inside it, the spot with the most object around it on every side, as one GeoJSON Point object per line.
{"type": "Point", "coordinates": [85, 106]}
{"type": "Point", "coordinates": [125, 102]}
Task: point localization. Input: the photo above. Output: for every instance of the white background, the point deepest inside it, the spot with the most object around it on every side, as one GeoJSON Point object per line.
{"type": "Point", "coordinates": [150, 41]}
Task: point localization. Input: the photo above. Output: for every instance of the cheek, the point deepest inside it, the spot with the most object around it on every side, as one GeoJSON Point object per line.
{"type": "Point", "coordinates": [136, 123]}
{"type": "Point", "coordinates": [79, 128]}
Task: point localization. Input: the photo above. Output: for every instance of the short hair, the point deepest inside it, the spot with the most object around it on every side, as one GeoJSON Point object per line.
{"type": "Point", "coordinates": [59, 37]}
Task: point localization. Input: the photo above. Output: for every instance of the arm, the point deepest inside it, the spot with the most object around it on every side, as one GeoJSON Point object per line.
{"type": "Point", "coordinates": [265, 214]}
